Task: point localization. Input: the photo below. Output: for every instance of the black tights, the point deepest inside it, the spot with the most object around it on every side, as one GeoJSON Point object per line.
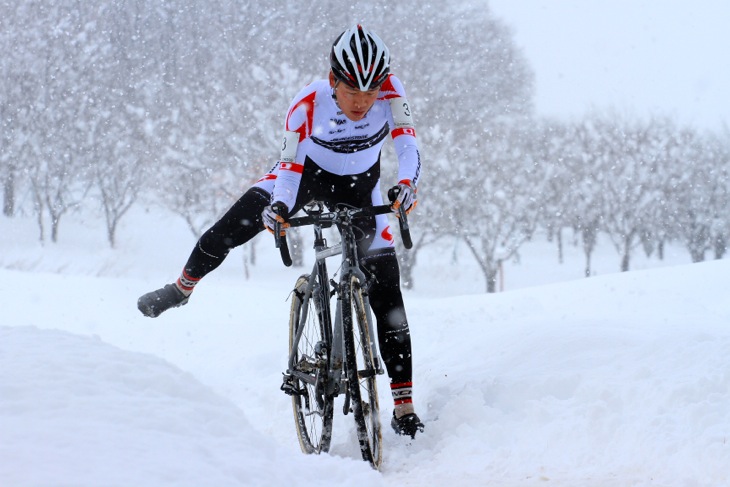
{"type": "Point", "coordinates": [386, 300]}
{"type": "Point", "coordinates": [241, 223]}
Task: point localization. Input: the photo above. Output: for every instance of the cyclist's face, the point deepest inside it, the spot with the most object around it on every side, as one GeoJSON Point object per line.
{"type": "Point", "coordinates": [354, 103]}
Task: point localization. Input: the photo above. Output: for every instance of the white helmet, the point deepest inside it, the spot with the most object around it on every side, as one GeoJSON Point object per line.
{"type": "Point", "coordinates": [360, 59]}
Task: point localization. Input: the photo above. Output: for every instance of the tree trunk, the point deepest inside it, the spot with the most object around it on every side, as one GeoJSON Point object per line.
{"type": "Point", "coordinates": [720, 246]}
{"type": "Point", "coordinates": [625, 261]}
{"type": "Point", "coordinates": [560, 245]}
{"type": "Point", "coordinates": [697, 255]}
{"type": "Point", "coordinates": [111, 233]}
{"type": "Point", "coordinates": [39, 208]}
{"type": "Point", "coordinates": [590, 238]}
{"type": "Point", "coordinates": [55, 222]}
{"type": "Point", "coordinates": [489, 270]}
{"type": "Point", "coordinates": [626, 258]}
{"type": "Point", "coordinates": [491, 275]}
{"type": "Point", "coordinates": [9, 193]}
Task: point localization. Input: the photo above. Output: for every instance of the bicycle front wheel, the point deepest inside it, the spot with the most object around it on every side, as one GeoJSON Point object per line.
{"type": "Point", "coordinates": [361, 371]}
{"type": "Point", "coordinates": [312, 404]}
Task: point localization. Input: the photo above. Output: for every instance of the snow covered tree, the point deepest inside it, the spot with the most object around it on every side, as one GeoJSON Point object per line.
{"type": "Point", "coordinates": [494, 202]}
{"type": "Point", "coordinates": [698, 200]}
{"type": "Point", "coordinates": [628, 167]}
{"type": "Point", "coordinates": [718, 151]}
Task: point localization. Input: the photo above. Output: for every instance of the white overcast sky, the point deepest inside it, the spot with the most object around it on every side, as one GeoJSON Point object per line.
{"type": "Point", "coordinates": [636, 57]}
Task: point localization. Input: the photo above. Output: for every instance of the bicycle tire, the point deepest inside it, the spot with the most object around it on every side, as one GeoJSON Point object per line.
{"type": "Point", "coordinates": [313, 407]}
{"type": "Point", "coordinates": [361, 372]}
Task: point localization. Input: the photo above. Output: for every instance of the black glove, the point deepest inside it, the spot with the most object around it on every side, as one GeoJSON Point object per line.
{"type": "Point", "coordinates": [406, 196]}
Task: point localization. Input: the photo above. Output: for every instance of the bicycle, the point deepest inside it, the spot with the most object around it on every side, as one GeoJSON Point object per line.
{"type": "Point", "coordinates": [335, 354]}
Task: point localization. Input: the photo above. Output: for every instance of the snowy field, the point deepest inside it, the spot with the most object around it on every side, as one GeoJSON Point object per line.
{"type": "Point", "coordinates": [614, 381]}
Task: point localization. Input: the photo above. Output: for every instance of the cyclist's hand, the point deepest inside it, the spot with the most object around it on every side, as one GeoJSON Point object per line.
{"type": "Point", "coordinates": [406, 196]}
{"type": "Point", "coordinates": [274, 213]}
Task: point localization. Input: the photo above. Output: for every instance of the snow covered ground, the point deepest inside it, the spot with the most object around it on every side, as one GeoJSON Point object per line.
{"type": "Point", "coordinates": [617, 380]}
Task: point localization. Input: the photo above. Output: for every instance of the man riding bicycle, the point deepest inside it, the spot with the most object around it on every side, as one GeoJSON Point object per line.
{"type": "Point", "coordinates": [334, 131]}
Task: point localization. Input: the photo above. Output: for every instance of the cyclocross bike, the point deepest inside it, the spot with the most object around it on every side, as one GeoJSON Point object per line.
{"type": "Point", "coordinates": [334, 354]}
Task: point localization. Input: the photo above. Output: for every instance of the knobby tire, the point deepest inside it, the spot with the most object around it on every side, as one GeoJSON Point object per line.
{"type": "Point", "coordinates": [361, 371]}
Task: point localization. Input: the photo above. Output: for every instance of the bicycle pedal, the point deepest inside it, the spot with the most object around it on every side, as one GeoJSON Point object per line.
{"type": "Point", "coordinates": [367, 373]}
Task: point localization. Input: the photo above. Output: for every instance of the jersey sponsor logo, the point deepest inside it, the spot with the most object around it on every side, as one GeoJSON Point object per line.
{"type": "Point", "coordinates": [407, 392]}
{"type": "Point", "coordinates": [352, 144]}
{"type": "Point", "coordinates": [402, 393]}
{"type": "Point", "coordinates": [418, 169]}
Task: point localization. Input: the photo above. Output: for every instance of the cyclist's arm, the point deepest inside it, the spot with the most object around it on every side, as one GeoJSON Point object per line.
{"type": "Point", "coordinates": [290, 171]}
{"type": "Point", "coordinates": [298, 127]}
{"type": "Point", "coordinates": [403, 132]}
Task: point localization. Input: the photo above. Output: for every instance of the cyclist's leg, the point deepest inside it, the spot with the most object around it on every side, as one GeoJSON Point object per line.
{"type": "Point", "coordinates": [386, 301]}
{"type": "Point", "coordinates": [394, 336]}
{"type": "Point", "coordinates": [240, 224]}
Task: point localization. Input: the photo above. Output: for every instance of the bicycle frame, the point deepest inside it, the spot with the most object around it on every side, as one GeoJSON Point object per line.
{"type": "Point", "coordinates": [347, 247]}
{"type": "Point", "coordinates": [334, 354]}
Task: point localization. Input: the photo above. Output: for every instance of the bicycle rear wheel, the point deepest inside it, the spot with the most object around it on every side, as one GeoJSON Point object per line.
{"type": "Point", "coordinates": [312, 405]}
{"type": "Point", "coordinates": [361, 372]}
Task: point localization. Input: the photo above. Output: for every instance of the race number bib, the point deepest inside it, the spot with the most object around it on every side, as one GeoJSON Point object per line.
{"type": "Point", "coordinates": [289, 146]}
{"type": "Point", "coordinates": [401, 112]}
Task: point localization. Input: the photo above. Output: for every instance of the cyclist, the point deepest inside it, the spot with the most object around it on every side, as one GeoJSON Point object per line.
{"type": "Point", "coordinates": [334, 131]}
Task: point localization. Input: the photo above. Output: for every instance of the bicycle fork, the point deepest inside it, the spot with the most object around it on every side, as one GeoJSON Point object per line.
{"type": "Point", "coordinates": [339, 373]}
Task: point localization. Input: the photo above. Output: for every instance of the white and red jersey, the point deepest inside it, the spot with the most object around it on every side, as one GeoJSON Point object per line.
{"type": "Point", "coordinates": [316, 129]}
